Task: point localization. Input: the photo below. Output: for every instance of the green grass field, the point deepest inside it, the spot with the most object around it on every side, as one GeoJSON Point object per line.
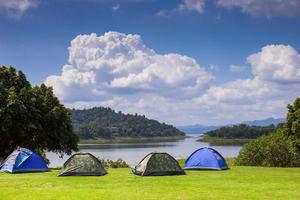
{"type": "Point", "coordinates": [236, 183]}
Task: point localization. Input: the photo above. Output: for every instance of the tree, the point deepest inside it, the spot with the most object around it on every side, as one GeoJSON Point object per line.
{"type": "Point", "coordinates": [32, 117]}
{"type": "Point", "coordinates": [241, 131]}
{"type": "Point", "coordinates": [292, 126]}
{"type": "Point", "coordinates": [293, 118]}
{"type": "Point", "coordinates": [100, 122]}
{"type": "Point", "coordinates": [279, 149]}
{"type": "Point", "coordinates": [274, 150]}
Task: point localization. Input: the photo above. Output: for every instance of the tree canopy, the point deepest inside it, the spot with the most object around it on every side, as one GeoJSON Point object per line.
{"type": "Point", "coordinates": [32, 117]}
{"type": "Point", "coordinates": [274, 150]}
{"type": "Point", "coordinates": [241, 131]}
{"type": "Point", "coordinates": [281, 148]}
{"type": "Point", "coordinates": [103, 122]}
{"type": "Point", "coordinates": [293, 118]}
{"type": "Point", "coordinates": [293, 121]}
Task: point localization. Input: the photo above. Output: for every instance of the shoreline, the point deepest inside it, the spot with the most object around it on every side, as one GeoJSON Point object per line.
{"type": "Point", "coordinates": [124, 140]}
{"type": "Point", "coordinates": [224, 141]}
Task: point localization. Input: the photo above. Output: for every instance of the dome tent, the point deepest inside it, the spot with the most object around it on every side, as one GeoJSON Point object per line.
{"type": "Point", "coordinates": [82, 164]}
{"type": "Point", "coordinates": [158, 164]}
{"type": "Point", "coordinates": [24, 160]}
{"type": "Point", "coordinates": [205, 158]}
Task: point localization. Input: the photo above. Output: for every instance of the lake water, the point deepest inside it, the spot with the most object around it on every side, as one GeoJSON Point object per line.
{"type": "Point", "coordinates": [132, 153]}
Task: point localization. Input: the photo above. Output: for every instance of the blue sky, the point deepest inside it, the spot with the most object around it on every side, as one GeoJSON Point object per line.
{"type": "Point", "coordinates": [36, 34]}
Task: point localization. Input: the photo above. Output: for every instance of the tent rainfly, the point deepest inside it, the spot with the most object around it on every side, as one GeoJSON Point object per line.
{"type": "Point", "coordinates": [206, 158]}
{"type": "Point", "coordinates": [158, 164]}
{"type": "Point", "coordinates": [82, 164]}
{"type": "Point", "coordinates": [23, 160]}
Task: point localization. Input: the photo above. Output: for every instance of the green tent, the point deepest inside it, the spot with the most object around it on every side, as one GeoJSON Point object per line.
{"type": "Point", "coordinates": [158, 164]}
{"type": "Point", "coordinates": [82, 164]}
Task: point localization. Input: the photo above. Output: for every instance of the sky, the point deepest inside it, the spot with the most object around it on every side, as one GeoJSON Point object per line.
{"type": "Point", "coordinates": [182, 62]}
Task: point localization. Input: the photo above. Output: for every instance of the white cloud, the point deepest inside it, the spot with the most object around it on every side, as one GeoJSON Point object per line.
{"type": "Point", "coordinates": [241, 91]}
{"type": "Point", "coordinates": [246, 99]}
{"type": "Point", "coordinates": [118, 64]}
{"type": "Point", "coordinates": [276, 63]}
{"type": "Point", "coordinates": [196, 6]}
{"type": "Point", "coordinates": [118, 70]}
{"type": "Point", "coordinates": [237, 68]}
{"type": "Point", "coordinates": [192, 5]}
{"type": "Point", "coordinates": [276, 83]}
{"type": "Point", "coordinates": [16, 8]}
{"type": "Point", "coordinates": [268, 8]}
{"type": "Point", "coordinates": [115, 7]}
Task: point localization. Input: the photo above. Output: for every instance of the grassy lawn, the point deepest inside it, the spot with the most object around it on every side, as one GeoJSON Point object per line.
{"type": "Point", "coordinates": [236, 183]}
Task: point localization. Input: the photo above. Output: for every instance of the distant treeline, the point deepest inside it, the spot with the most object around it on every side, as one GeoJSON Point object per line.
{"type": "Point", "coordinates": [105, 123]}
{"type": "Point", "coordinates": [241, 131]}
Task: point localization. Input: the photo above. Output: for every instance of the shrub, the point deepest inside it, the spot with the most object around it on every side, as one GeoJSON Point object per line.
{"type": "Point", "coordinates": [230, 161]}
{"type": "Point", "coordinates": [275, 150]}
{"type": "Point", "coordinates": [114, 164]}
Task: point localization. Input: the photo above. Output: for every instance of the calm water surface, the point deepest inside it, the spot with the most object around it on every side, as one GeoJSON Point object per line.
{"type": "Point", "coordinates": [133, 153]}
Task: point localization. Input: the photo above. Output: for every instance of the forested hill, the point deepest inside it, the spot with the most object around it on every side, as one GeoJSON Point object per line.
{"type": "Point", "coordinates": [103, 122]}
{"type": "Point", "coordinates": [240, 131]}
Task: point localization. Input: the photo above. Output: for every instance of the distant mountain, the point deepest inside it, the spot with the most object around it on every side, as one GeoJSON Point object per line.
{"type": "Point", "coordinates": [265, 122]}
{"type": "Point", "coordinates": [200, 129]}
{"type": "Point", "coordinates": [100, 122]}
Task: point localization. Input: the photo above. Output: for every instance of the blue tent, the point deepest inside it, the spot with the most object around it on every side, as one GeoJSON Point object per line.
{"type": "Point", "coordinates": [23, 160]}
{"type": "Point", "coordinates": [205, 158]}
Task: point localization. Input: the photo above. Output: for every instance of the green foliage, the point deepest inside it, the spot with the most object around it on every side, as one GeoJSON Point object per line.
{"type": "Point", "coordinates": [241, 131]}
{"type": "Point", "coordinates": [275, 150]}
{"type": "Point", "coordinates": [181, 162]}
{"type": "Point", "coordinates": [114, 164]}
{"type": "Point", "coordinates": [32, 117]}
{"type": "Point", "coordinates": [279, 149]}
{"type": "Point", "coordinates": [43, 155]}
{"type": "Point", "coordinates": [230, 162]}
{"type": "Point", "coordinates": [105, 123]}
{"type": "Point", "coordinates": [293, 121]}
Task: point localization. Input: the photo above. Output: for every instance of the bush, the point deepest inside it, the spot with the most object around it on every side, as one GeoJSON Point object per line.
{"type": "Point", "coordinates": [275, 150]}
{"type": "Point", "coordinates": [230, 161]}
{"type": "Point", "coordinates": [114, 164]}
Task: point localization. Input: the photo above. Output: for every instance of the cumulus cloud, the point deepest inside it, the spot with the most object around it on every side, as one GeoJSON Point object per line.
{"type": "Point", "coordinates": [241, 91]}
{"type": "Point", "coordinates": [276, 70]}
{"type": "Point", "coordinates": [276, 63]}
{"type": "Point", "coordinates": [16, 8]}
{"type": "Point", "coordinates": [118, 64]}
{"type": "Point", "coordinates": [268, 8]}
{"type": "Point", "coordinates": [275, 84]}
{"type": "Point", "coordinates": [196, 6]}
{"type": "Point", "coordinates": [237, 68]}
{"type": "Point", "coordinates": [118, 70]}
